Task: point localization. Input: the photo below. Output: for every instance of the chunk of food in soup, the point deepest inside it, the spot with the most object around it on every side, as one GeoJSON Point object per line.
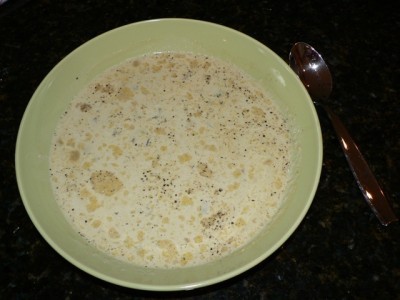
{"type": "Point", "coordinates": [171, 160]}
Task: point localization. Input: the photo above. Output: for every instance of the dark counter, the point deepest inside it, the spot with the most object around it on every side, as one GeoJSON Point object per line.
{"type": "Point", "coordinates": [339, 251]}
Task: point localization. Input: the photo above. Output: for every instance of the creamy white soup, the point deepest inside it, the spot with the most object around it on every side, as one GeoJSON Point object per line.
{"type": "Point", "coordinates": [171, 160]}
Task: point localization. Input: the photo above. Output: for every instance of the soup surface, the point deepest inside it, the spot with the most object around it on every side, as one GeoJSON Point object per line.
{"type": "Point", "coordinates": [171, 160]}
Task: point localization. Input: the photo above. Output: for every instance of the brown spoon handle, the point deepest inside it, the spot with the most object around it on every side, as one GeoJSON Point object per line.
{"type": "Point", "coordinates": [366, 180]}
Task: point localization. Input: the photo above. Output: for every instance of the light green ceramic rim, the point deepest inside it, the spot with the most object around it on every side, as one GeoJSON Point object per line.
{"type": "Point", "coordinates": [78, 68]}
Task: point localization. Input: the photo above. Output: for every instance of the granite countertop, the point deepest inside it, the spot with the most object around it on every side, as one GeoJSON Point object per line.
{"type": "Point", "coordinates": [339, 251]}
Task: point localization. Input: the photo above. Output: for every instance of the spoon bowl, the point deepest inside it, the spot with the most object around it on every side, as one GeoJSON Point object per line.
{"type": "Point", "coordinates": [312, 70]}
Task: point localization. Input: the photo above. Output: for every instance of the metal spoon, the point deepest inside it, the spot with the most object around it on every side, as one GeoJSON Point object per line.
{"type": "Point", "coordinates": [315, 75]}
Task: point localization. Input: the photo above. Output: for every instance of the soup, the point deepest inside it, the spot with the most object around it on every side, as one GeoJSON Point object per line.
{"type": "Point", "coordinates": [171, 160]}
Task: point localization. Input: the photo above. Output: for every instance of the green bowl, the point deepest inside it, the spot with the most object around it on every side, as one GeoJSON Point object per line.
{"type": "Point", "coordinates": [59, 87]}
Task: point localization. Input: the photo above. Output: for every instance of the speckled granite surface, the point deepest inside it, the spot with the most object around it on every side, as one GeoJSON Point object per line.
{"type": "Point", "coordinates": [339, 251]}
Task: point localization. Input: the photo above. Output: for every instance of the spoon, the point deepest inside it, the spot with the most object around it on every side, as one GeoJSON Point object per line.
{"type": "Point", "coordinates": [312, 70]}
